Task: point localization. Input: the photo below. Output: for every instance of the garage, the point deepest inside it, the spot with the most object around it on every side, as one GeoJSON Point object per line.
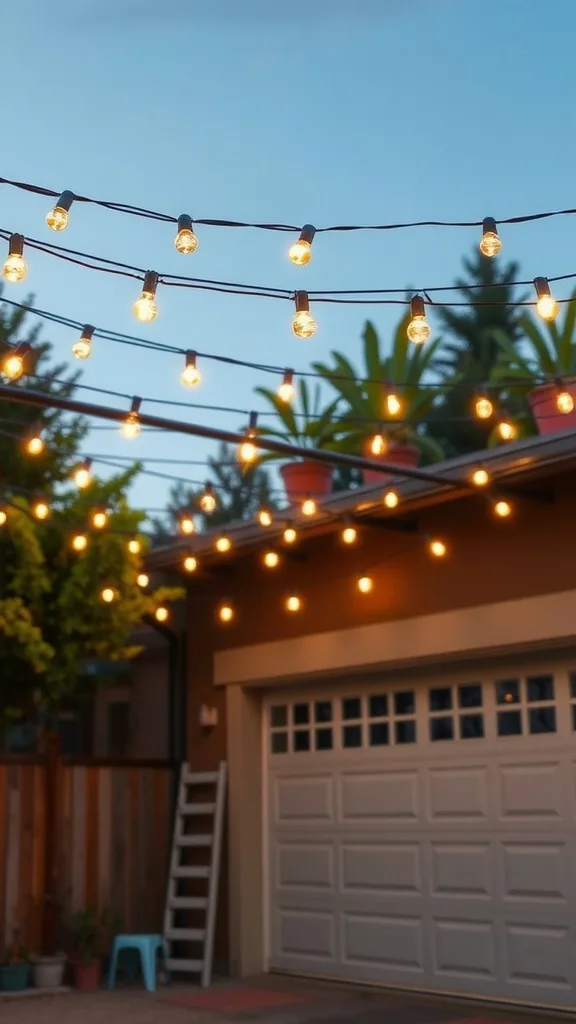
{"type": "Point", "coordinates": [421, 831]}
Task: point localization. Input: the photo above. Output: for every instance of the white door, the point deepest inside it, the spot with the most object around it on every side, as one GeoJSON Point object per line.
{"type": "Point", "coordinates": [423, 834]}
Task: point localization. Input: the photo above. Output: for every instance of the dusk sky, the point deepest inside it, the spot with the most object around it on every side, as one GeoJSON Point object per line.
{"type": "Point", "coordinates": [335, 111]}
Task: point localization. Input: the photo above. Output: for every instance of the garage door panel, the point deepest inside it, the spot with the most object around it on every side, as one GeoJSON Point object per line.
{"type": "Point", "coordinates": [465, 948]}
{"type": "Point", "coordinates": [395, 941]}
{"type": "Point", "coordinates": [378, 797]}
{"type": "Point", "coordinates": [306, 934]}
{"type": "Point", "coordinates": [304, 865]}
{"type": "Point", "coordinates": [539, 957]}
{"type": "Point", "coordinates": [532, 793]}
{"type": "Point", "coordinates": [457, 795]}
{"type": "Point", "coordinates": [380, 868]}
{"type": "Point", "coordinates": [537, 871]}
{"type": "Point", "coordinates": [462, 868]}
{"type": "Point", "coordinates": [307, 799]}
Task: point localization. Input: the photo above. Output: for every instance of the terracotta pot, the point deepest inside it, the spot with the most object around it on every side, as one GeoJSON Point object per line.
{"type": "Point", "coordinates": [545, 411]}
{"type": "Point", "coordinates": [306, 479]}
{"type": "Point", "coordinates": [87, 976]}
{"type": "Point", "coordinates": [398, 454]}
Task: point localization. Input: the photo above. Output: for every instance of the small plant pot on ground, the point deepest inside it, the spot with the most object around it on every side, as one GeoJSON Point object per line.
{"type": "Point", "coordinates": [549, 419]}
{"type": "Point", "coordinates": [87, 976]}
{"type": "Point", "coordinates": [48, 971]}
{"type": "Point", "coordinates": [14, 977]}
{"type": "Point", "coordinates": [306, 479]}
{"type": "Point", "coordinates": [398, 454]}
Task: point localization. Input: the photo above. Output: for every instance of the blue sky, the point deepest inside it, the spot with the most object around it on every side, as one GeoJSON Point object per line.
{"type": "Point", "coordinates": [328, 111]}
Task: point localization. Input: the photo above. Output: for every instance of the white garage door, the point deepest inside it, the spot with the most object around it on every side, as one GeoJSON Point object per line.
{"type": "Point", "coordinates": [424, 835]}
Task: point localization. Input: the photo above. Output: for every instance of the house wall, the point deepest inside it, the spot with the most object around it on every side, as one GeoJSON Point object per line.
{"type": "Point", "coordinates": [146, 691]}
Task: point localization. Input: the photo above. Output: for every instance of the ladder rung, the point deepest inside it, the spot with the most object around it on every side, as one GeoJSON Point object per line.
{"type": "Point", "coordinates": [200, 778]}
{"type": "Point", "coordinates": [200, 872]}
{"type": "Point", "coordinates": [180, 934]}
{"type": "Point", "coordinates": [206, 840]}
{"type": "Point", "coordinates": [196, 809]}
{"type": "Point", "coordinates": [185, 965]}
{"type": "Point", "coordinates": [188, 903]}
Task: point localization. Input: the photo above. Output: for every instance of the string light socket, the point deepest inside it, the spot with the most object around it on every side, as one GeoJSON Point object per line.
{"type": "Point", "coordinates": [546, 305]}
{"type": "Point", "coordinates": [286, 390]}
{"type": "Point", "coordinates": [303, 323]}
{"type": "Point", "coordinates": [14, 269]}
{"type": "Point", "coordinates": [247, 451]}
{"type": "Point", "coordinates": [186, 241]}
{"type": "Point", "coordinates": [57, 217]}
{"type": "Point", "coordinates": [13, 364]}
{"type": "Point", "coordinates": [418, 330]}
{"type": "Point", "coordinates": [490, 244]}
{"type": "Point", "coordinates": [145, 309]}
{"type": "Point", "coordinates": [301, 252]}
{"type": "Point", "coordinates": [190, 376]}
{"type": "Point", "coordinates": [82, 349]}
{"type": "Point", "coordinates": [131, 426]}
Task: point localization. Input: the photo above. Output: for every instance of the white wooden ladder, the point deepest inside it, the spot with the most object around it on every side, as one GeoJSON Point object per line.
{"type": "Point", "coordinates": [192, 896]}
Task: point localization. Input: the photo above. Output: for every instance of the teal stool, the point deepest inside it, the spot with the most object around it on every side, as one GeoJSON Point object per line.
{"type": "Point", "coordinates": [148, 946]}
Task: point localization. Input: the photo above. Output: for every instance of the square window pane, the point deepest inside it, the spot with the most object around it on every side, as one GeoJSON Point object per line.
{"type": "Point", "coordinates": [352, 736]}
{"type": "Point", "coordinates": [404, 704]}
{"type": "Point", "coordinates": [279, 742]}
{"type": "Point", "coordinates": [323, 739]}
{"type": "Point", "coordinates": [470, 695]}
{"type": "Point", "coordinates": [509, 723]}
{"type": "Point", "coordinates": [507, 692]}
{"type": "Point", "coordinates": [301, 714]}
{"type": "Point", "coordinates": [539, 688]}
{"type": "Point", "coordinates": [441, 728]}
{"type": "Point", "coordinates": [378, 705]}
{"type": "Point", "coordinates": [379, 735]}
{"type": "Point", "coordinates": [301, 740]}
{"type": "Point", "coordinates": [471, 727]}
{"type": "Point", "coordinates": [351, 707]}
{"type": "Point", "coordinates": [406, 732]}
{"type": "Point", "coordinates": [573, 685]}
{"type": "Point", "coordinates": [440, 699]}
{"type": "Point", "coordinates": [323, 711]}
{"type": "Point", "coordinates": [542, 720]}
{"type": "Point", "coordinates": [279, 716]}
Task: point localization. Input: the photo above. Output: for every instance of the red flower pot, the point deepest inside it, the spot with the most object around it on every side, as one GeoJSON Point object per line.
{"type": "Point", "coordinates": [306, 479]}
{"type": "Point", "coordinates": [398, 454]}
{"type": "Point", "coordinates": [87, 976]}
{"type": "Point", "coordinates": [545, 411]}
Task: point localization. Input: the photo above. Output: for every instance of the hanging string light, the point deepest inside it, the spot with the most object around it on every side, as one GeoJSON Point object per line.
{"type": "Point", "coordinates": [14, 269]}
{"type": "Point", "coordinates": [490, 244]}
{"type": "Point", "coordinates": [108, 595]}
{"type": "Point", "coordinates": [82, 475]}
{"type": "Point", "coordinates": [392, 402]}
{"type": "Point", "coordinates": [131, 426]}
{"type": "Point", "coordinates": [264, 517]}
{"type": "Point", "coordinates": [503, 509]}
{"type": "Point", "coordinates": [271, 559]}
{"type": "Point", "coordinates": [247, 451]}
{"type": "Point", "coordinates": [79, 542]}
{"type": "Point", "coordinates": [57, 217]}
{"type": "Point", "coordinates": [349, 534]}
{"type": "Point", "coordinates": [225, 612]}
{"type": "Point", "coordinates": [14, 361]}
{"type": "Point", "coordinates": [40, 508]}
{"type": "Point", "coordinates": [286, 390]}
{"type": "Point", "coordinates": [564, 400]}
{"type": "Point", "coordinates": [301, 251]}
{"type": "Point", "coordinates": [506, 429]}
{"type": "Point", "coordinates": [208, 500]}
{"type": "Point", "coordinates": [190, 376]}
{"type": "Point", "coordinates": [223, 544]}
{"type": "Point", "coordinates": [437, 547]}
{"type": "Point", "coordinates": [99, 518]}
{"type": "Point", "coordinates": [142, 579]}
{"type": "Point", "coordinates": [293, 603]}
{"type": "Point", "coordinates": [34, 443]}
{"type": "Point", "coordinates": [186, 523]}
{"type": "Point", "coordinates": [289, 536]}
{"type": "Point", "coordinates": [3, 516]}
{"type": "Point", "coordinates": [134, 546]}
{"type": "Point", "coordinates": [190, 563]}
{"type": "Point", "coordinates": [309, 507]}
{"type": "Point", "coordinates": [480, 477]}
{"type": "Point", "coordinates": [391, 499]}
{"type": "Point", "coordinates": [546, 305]}
{"type": "Point", "coordinates": [483, 407]}
{"type": "Point", "coordinates": [418, 328]}
{"type": "Point", "coordinates": [378, 443]}
{"type": "Point", "coordinates": [186, 241]}
{"type": "Point", "coordinates": [365, 583]}
{"type": "Point", "coordinates": [82, 349]}
{"type": "Point", "coordinates": [145, 309]}
{"type": "Point", "coordinates": [162, 613]}
{"type": "Point", "coordinates": [303, 323]}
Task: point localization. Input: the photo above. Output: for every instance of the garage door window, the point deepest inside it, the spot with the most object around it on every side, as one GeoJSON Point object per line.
{"type": "Point", "coordinates": [526, 705]}
{"type": "Point", "coordinates": [456, 712]}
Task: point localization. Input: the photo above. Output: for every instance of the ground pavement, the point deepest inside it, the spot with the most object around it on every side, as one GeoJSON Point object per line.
{"type": "Point", "coordinates": [268, 1000]}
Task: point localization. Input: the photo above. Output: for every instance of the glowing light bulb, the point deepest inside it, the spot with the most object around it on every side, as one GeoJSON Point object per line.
{"type": "Point", "coordinates": [309, 507]}
{"type": "Point", "coordinates": [57, 218]}
{"type": "Point", "coordinates": [349, 535]}
{"type": "Point", "coordinates": [225, 613]}
{"type": "Point", "coordinates": [247, 451]}
{"type": "Point", "coordinates": [293, 603]}
{"type": "Point", "coordinates": [483, 407]}
{"type": "Point", "coordinates": [79, 542]}
{"type": "Point", "coordinates": [564, 402]}
{"type": "Point", "coordinates": [303, 324]}
{"type": "Point", "coordinates": [271, 559]}
{"type": "Point", "coordinates": [82, 349]}
{"type": "Point", "coordinates": [393, 404]}
{"type": "Point", "coordinates": [480, 478]}
{"type": "Point", "coordinates": [503, 509]}
{"type": "Point", "coordinates": [418, 329]}
{"type": "Point", "coordinates": [223, 544]}
{"type": "Point", "coordinates": [14, 362]}
{"type": "Point", "coordinates": [82, 475]}
{"type": "Point", "coordinates": [391, 499]}
{"type": "Point", "coordinates": [190, 563]}
{"type": "Point", "coordinates": [208, 499]}
{"type": "Point", "coordinates": [490, 244]}
{"type": "Point", "coordinates": [546, 305]}
{"type": "Point", "coordinates": [99, 519]}
{"type": "Point", "coordinates": [15, 269]}
{"type": "Point", "coordinates": [3, 517]}
{"type": "Point", "coordinates": [185, 241]}
{"type": "Point", "coordinates": [41, 509]}
{"type": "Point", "coordinates": [142, 579]}
{"type": "Point", "coordinates": [301, 252]}
{"type": "Point", "coordinates": [437, 548]}
{"type": "Point", "coordinates": [289, 536]}
{"type": "Point", "coordinates": [190, 376]}
{"type": "Point", "coordinates": [108, 595]}
{"type": "Point", "coordinates": [35, 445]}
{"type": "Point", "coordinates": [145, 309]}
{"type": "Point", "coordinates": [131, 426]}
{"type": "Point", "coordinates": [507, 431]}
{"type": "Point", "coordinates": [162, 614]}
{"type": "Point", "coordinates": [134, 546]}
{"type": "Point", "coordinates": [286, 391]}
{"type": "Point", "coordinates": [365, 584]}
{"type": "Point", "coordinates": [264, 517]}
{"type": "Point", "coordinates": [186, 524]}
{"type": "Point", "coordinates": [378, 445]}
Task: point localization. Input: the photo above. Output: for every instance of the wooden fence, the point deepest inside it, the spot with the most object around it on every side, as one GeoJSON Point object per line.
{"type": "Point", "coordinates": [82, 834]}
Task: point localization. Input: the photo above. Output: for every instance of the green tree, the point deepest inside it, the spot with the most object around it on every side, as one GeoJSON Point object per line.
{"type": "Point", "coordinates": [470, 349]}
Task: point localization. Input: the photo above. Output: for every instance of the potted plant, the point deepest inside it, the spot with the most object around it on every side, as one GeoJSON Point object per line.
{"type": "Point", "coordinates": [15, 967]}
{"type": "Point", "coordinates": [547, 369]}
{"type": "Point", "coordinates": [48, 971]}
{"type": "Point", "coordinates": [385, 401]}
{"type": "Point", "coordinates": [308, 426]}
{"type": "Point", "coordinates": [90, 930]}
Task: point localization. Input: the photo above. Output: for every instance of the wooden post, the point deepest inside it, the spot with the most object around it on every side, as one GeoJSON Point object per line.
{"type": "Point", "coordinates": [52, 789]}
